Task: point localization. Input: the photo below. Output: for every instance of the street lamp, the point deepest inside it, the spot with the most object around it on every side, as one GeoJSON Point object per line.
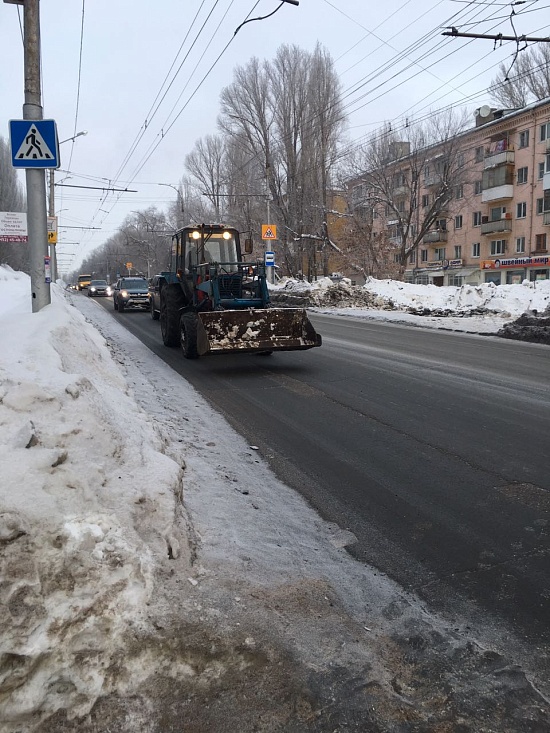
{"type": "Point", "coordinates": [180, 196]}
{"type": "Point", "coordinates": [51, 210]}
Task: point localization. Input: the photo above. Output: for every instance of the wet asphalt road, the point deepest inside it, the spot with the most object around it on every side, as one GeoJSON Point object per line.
{"type": "Point", "coordinates": [430, 446]}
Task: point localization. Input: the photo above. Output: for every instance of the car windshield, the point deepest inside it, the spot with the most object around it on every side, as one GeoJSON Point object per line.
{"type": "Point", "coordinates": [99, 283]}
{"type": "Point", "coordinates": [134, 283]}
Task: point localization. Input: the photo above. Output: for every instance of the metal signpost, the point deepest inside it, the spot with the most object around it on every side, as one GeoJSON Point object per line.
{"type": "Point", "coordinates": [34, 147]}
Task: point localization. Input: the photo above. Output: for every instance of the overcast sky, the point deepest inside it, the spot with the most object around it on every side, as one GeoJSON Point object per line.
{"type": "Point", "coordinates": [107, 66]}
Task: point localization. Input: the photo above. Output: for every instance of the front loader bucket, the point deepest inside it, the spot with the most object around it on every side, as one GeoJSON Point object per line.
{"type": "Point", "coordinates": [270, 329]}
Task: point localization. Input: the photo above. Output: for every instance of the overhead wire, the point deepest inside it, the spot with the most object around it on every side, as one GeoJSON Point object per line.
{"type": "Point", "coordinates": [164, 132]}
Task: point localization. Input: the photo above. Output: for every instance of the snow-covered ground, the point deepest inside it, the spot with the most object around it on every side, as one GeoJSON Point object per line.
{"type": "Point", "coordinates": [150, 560]}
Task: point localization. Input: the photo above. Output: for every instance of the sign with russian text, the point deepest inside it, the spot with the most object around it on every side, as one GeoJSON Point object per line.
{"type": "Point", "coordinates": [13, 227]}
{"type": "Point", "coordinates": [52, 229]}
{"type": "Point", "coordinates": [515, 262]}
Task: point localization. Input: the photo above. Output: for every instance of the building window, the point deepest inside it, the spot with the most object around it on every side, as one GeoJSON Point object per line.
{"type": "Point", "coordinates": [456, 280]}
{"type": "Point", "coordinates": [459, 192]}
{"type": "Point", "coordinates": [460, 160]}
{"type": "Point", "coordinates": [458, 221]}
{"type": "Point", "coordinates": [401, 207]}
{"type": "Point", "coordinates": [458, 252]}
{"type": "Point", "coordinates": [498, 246]}
{"type": "Point", "coordinates": [476, 218]}
{"type": "Point", "coordinates": [478, 186]}
{"type": "Point", "coordinates": [545, 131]}
{"type": "Point", "coordinates": [423, 255]}
{"type": "Point", "coordinates": [476, 247]}
{"type": "Point", "coordinates": [479, 154]}
{"type": "Point", "coordinates": [522, 174]}
{"type": "Point", "coordinates": [547, 169]}
{"type": "Point", "coordinates": [541, 171]}
{"type": "Point", "coordinates": [540, 206]}
{"type": "Point", "coordinates": [426, 200]}
{"type": "Point", "coordinates": [524, 139]}
{"type": "Point", "coordinates": [439, 254]}
{"type": "Point", "coordinates": [498, 213]}
{"type": "Point", "coordinates": [520, 244]}
{"type": "Point", "coordinates": [521, 210]}
{"type": "Point", "coordinates": [540, 241]}
{"type": "Point", "coordinates": [441, 225]}
{"type": "Point", "coordinates": [411, 258]}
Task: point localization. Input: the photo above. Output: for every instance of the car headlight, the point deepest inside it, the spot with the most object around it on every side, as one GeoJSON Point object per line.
{"type": "Point", "coordinates": [124, 293]}
{"type": "Point", "coordinates": [92, 290]}
{"type": "Point", "coordinates": [109, 291]}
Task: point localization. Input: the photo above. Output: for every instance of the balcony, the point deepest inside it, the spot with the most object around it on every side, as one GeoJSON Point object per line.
{"type": "Point", "coordinates": [503, 157]}
{"type": "Point", "coordinates": [432, 180]}
{"type": "Point", "coordinates": [436, 235]}
{"type": "Point", "coordinates": [546, 220]}
{"type": "Point", "coordinates": [546, 181]}
{"type": "Point", "coordinates": [498, 193]}
{"type": "Point", "coordinates": [500, 225]}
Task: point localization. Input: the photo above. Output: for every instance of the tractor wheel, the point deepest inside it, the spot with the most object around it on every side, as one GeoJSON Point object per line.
{"type": "Point", "coordinates": [188, 335]}
{"type": "Point", "coordinates": [172, 301]}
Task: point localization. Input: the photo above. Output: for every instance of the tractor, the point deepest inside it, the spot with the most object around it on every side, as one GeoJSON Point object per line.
{"type": "Point", "coordinates": [212, 301]}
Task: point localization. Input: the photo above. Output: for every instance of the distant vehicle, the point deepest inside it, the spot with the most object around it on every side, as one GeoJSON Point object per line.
{"type": "Point", "coordinates": [154, 296]}
{"type": "Point", "coordinates": [83, 282]}
{"type": "Point", "coordinates": [131, 292]}
{"type": "Point", "coordinates": [99, 289]}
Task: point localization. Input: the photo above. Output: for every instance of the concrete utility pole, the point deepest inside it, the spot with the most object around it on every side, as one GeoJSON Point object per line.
{"type": "Point", "coordinates": [37, 221]}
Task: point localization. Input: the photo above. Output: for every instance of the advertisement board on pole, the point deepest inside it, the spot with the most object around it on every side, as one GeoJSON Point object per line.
{"type": "Point", "coordinates": [13, 227]}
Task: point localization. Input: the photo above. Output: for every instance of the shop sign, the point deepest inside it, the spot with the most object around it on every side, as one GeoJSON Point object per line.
{"type": "Point", "coordinates": [514, 262]}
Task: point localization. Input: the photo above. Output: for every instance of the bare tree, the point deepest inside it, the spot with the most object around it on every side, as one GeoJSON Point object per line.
{"type": "Point", "coordinates": [12, 198]}
{"type": "Point", "coordinates": [407, 187]}
{"type": "Point", "coordinates": [288, 117]}
{"type": "Point", "coordinates": [205, 163]}
{"type": "Point", "coordinates": [526, 81]}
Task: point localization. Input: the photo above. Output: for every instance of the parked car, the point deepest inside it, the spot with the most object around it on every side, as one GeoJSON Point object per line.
{"type": "Point", "coordinates": [99, 289]}
{"type": "Point", "coordinates": [154, 297]}
{"type": "Point", "coordinates": [131, 292]}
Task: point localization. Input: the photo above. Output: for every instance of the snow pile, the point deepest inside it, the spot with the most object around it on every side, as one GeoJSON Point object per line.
{"type": "Point", "coordinates": [86, 499]}
{"type": "Point", "coordinates": [507, 300]}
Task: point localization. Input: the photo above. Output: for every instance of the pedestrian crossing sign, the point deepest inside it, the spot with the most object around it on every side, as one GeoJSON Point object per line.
{"type": "Point", "coordinates": [34, 144]}
{"type": "Point", "coordinates": [269, 231]}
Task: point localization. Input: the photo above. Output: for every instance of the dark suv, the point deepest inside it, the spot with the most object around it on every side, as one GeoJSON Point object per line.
{"type": "Point", "coordinates": [154, 297]}
{"type": "Point", "coordinates": [131, 292]}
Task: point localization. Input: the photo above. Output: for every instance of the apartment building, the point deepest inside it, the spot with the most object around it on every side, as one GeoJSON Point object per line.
{"type": "Point", "coordinates": [496, 226]}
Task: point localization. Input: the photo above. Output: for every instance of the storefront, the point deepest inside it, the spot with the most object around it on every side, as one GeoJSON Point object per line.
{"type": "Point", "coordinates": [515, 270]}
{"type": "Point", "coordinates": [445, 272]}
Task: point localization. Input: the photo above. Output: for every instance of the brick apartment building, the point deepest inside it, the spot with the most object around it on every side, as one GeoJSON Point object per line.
{"type": "Point", "coordinates": [496, 227]}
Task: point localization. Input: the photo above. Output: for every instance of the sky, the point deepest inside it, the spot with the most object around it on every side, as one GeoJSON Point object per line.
{"type": "Point", "coordinates": [144, 81]}
{"type": "Point", "coordinates": [128, 496]}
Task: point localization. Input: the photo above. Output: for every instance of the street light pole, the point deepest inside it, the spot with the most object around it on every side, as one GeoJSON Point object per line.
{"type": "Point", "coordinates": [180, 196]}
{"type": "Point", "coordinates": [51, 209]}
